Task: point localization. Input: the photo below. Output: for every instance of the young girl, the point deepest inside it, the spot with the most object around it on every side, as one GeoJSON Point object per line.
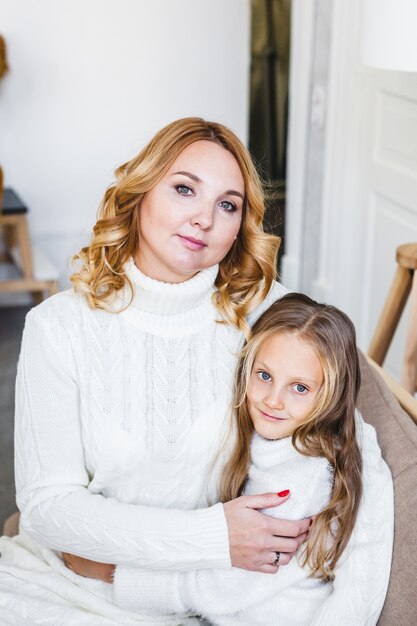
{"type": "Point", "coordinates": [295, 391]}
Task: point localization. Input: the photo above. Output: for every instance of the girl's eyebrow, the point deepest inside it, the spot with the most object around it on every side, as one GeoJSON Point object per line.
{"type": "Point", "coordinates": [196, 179]}
{"type": "Point", "coordinates": [260, 365]}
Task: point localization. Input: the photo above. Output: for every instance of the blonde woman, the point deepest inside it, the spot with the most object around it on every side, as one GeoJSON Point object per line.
{"type": "Point", "coordinates": [124, 383]}
{"type": "Point", "coordinates": [295, 392]}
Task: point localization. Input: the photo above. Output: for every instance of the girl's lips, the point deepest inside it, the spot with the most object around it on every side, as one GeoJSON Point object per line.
{"type": "Point", "coordinates": [272, 417]}
{"type": "Point", "coordinates": [193, 244]}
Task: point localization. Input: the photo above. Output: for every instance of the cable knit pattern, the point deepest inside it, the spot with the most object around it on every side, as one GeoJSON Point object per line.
{"type": "Point", "coordinates": [235, 597]}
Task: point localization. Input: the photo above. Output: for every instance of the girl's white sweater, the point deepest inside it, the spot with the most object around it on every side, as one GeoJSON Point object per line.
{"type": "Point", "coordinates": [238, 597]}
{"type": "Point", "coordinates": [117, 420]}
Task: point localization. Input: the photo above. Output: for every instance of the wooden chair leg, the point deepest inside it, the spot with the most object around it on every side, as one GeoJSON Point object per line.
{"type": "Point", "coordinates": [23, 241]}
{"type": "Point", "coordinates": [391, 314]}
{"type": "Point", "coordinates": [409, 374]}
{"type": "Point", "coordinates": [10, 236]}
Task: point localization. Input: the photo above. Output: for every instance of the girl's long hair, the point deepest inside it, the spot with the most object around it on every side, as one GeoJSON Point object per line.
{"type": "Point", "coordinates": [245, 274]}
{"type": "Point", "coordinates": [329, 430]}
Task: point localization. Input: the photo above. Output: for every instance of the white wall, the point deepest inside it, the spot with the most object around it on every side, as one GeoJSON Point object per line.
{"type": "Point", "coordinates": [90, 81]}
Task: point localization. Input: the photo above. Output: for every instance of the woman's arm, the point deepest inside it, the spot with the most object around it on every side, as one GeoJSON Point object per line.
{"type": "Point", "coordinates": [361, 577]}
{"type": "Point", "coordinates": [363, 573]}
{"type": "Point", "coordinates": [208, 592]}
{"type": "Point", "coordinates": [51, 477]}
{"type": "Point", "coordinates": [52, 483]}
{"type": "Point", "coordinates": [219, 592]}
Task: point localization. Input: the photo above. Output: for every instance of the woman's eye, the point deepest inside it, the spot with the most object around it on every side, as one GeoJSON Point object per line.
{"type": "Point", "coordinates": [228, 206]}
{"type": "Point", "coordinates": [264, 376]}
{"type": "Point", "coordinates": [300, 388]}
{"type": "Point", "coordinates": [184, 190]}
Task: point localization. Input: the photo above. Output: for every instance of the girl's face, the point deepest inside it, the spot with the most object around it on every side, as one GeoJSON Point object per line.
{"type": "Point", "coordinates": [285, 380]}
{"type": "Point", "coordinates": [190, 219]}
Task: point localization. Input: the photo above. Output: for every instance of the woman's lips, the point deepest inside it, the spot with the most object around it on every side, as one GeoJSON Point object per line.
{"type": "Point", "coordinates": [192, 243]}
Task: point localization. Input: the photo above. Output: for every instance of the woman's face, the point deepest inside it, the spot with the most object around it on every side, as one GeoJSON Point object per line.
{"type": "Point", "coordinates": [190, 219]}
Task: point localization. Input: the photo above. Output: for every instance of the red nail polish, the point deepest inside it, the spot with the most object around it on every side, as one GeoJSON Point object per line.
{"type": "Point", "coordinates": [284, 493]}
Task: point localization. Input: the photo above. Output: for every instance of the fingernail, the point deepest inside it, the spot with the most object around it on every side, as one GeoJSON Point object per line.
{"type": "Point", "coordinates": [284, 493]}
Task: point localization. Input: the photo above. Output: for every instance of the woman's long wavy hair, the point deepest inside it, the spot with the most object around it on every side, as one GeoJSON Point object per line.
{"type": "Point", "coordinates": [245, 274]}
{"type": "Point", "coordinates": [329, 431]}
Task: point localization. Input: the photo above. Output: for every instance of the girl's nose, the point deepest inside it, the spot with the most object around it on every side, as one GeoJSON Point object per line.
{"type": "Point", "coordinates": [203, 217]}
{"type": "Point", "coordinates": [275, 399]}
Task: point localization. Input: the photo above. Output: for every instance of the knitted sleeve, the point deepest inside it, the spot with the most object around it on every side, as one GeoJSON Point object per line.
{"type": "Point", "coordinates": [212, 593]}
{"type": "Point", "coordinates": [362, 574]}
{"type": "Point", "coordinates": [52, 480]}
{"type": "Point", "coordinates": [215, 593]}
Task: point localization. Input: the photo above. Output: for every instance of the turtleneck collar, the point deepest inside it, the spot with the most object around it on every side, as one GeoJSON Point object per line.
{"type": "Point", "coordinates": [264, 451]}
{"type": "Point", "coordinates": [154, 296]}
{"type": "Point", "coordinates": [168, 309]}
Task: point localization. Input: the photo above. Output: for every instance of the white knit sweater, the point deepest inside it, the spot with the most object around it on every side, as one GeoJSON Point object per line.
{"type": "Point", "coordinates": [237, 596]}
{"type": "Point", "coordinates": [117, 419]}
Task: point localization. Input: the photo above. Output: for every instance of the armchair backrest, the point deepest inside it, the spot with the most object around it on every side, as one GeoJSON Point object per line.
{"type": "Point", "coordinates": [397, 437]}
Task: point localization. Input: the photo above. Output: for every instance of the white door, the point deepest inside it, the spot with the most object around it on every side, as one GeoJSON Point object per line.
{"type": "Point", "coordinates": [369, 202]}
{"type": "Point", "coordinates": [389, 193]}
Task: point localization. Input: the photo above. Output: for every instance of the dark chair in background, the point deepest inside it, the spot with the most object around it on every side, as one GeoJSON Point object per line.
{"type": "Point", "coordinates": [35, 272]}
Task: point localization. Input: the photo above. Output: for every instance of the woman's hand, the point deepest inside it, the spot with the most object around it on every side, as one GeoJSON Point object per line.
{"type": "Point", "coordinates": [89, 569]}
{"type": "Point", "coordinates": [255, 538]}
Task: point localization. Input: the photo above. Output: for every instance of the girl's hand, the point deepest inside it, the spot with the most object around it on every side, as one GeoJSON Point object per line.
{"type": "Point", "coordinates": [89, 569]}
{"type": "Point", "coordinates": [254, 537]}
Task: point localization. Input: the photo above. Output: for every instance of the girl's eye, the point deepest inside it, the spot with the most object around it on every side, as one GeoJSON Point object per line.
{"type": "Point", "coordinates": [264, 376]}
{"type": "Point", "coordinates": [184, 190]}
{"type": "Point", "coordinates": [228, 206]}
{"type": "Point", "coordinates": [300, 388]}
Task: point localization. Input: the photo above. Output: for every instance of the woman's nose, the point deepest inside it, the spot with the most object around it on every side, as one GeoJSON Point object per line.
{"type": "Point", "coordinates": [203, 217]}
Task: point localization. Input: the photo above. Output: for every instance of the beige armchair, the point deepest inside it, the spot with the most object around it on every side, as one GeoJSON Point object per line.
{"type": "Point", "coordinates": [397, 436]}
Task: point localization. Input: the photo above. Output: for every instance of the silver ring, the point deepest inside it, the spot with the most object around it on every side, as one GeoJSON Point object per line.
{"type": "Point", "coordinates": [278, 555]}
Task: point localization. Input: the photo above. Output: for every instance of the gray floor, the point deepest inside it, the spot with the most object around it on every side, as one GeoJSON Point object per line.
{"type": "Point", "coordinates": [11, 326]}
